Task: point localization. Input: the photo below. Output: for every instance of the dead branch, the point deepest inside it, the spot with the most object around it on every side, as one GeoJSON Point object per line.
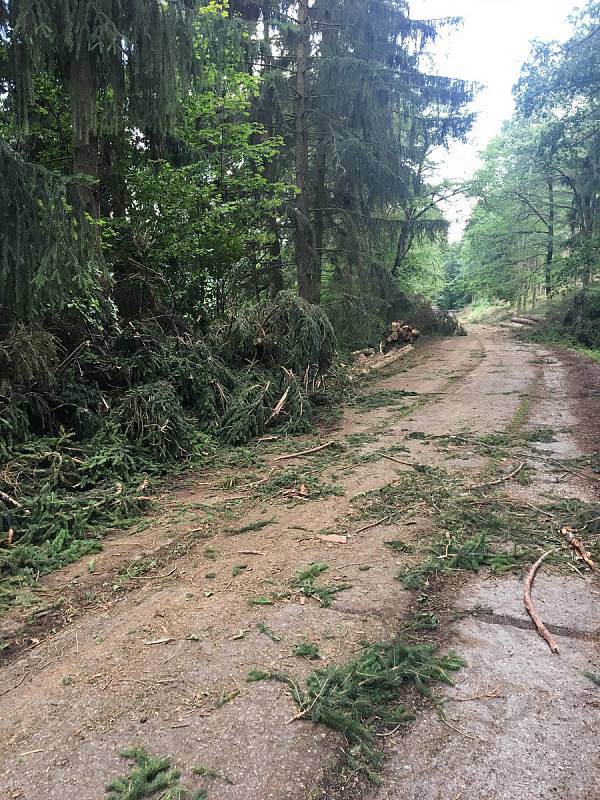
{"type": "Point", "coordinates": [305, 452]}
{"type": "Point", "coordinates": [498, 480]}
{"type": "Point", "coordinates": [277, 410]}
{"type": "Point", "coordinates": [535, 618]}
{"type": "Point", "coordinates": [578, 546]}
{"type": "Point", "coordinates": [398, 460]}
{"type": "Point", "coordinates": [8, 499]}
{"type": "Point", "coordinates": [372, 525]}
{"type": "Point", "coordinates": [71, 357]}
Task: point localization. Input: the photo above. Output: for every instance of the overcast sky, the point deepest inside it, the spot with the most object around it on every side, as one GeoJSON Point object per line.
{"type": "Point", "coordinates": [489, 48]}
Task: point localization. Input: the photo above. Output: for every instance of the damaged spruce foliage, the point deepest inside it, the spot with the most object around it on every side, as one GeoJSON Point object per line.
{"type": "Point", "coordinates": [85, 424]}
{"type": "Point", "coordinates": [361, 696]}
{"type": "Point", "coordinates": [474, 527]}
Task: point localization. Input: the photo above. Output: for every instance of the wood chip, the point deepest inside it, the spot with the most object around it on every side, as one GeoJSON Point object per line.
{"type": "Point", "coordinates": [332, 538]}
{"type": "Point", "coordinates": [160, 641]}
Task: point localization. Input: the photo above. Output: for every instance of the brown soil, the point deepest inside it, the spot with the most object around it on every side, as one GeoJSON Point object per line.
{"type": "Point", "coordinates": [160, 659]}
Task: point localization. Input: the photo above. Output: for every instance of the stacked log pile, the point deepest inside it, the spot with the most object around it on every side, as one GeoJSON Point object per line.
{"type": "Point", "coordinates": [396, 344]}
{"type": "Point", "coordinates": [400, 331]}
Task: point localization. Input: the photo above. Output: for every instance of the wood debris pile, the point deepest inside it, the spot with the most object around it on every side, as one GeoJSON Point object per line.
{"type": "Point", "coordinates": [396, 344]}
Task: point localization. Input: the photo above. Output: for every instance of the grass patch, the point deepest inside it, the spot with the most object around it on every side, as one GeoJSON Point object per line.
{"type": "Point", "coordinates": [377, 455]}
{"type": "Point", "coordinates": [263, 600]}
{"type": "Point", "coordinates": [541, 434]}
{"type": "Point", "coordinates": [299, 482]}
{"type": "Point", "coordinates": [398, 546]}
{"type": "Point", "coordinates": [135, 569]}
{"type": "Point", "coordinates": [360, 439]}
{"type": "Point", "coordinates": [362, 696]}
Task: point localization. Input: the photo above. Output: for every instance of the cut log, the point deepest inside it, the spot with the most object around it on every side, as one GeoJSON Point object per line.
{"type": "Point", "coordinates": [381, 361]}
{"type": "Point", "coordinates": [526, 320]}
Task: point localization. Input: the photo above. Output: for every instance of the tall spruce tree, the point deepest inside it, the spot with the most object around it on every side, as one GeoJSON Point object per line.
{"type": "Point", "coordinates": [362, 117]}
{"type": "Point", "coordinates": [119, 60]}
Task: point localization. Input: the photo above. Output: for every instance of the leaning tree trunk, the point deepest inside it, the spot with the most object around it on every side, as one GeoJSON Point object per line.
{"type": "Point", "coordinates": [309, 285]}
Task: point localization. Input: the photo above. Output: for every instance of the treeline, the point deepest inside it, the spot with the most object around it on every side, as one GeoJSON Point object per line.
{"type": "Point", "coordinates": [176, 159]}
{"type": "Point", "coordinates": [534, 229]}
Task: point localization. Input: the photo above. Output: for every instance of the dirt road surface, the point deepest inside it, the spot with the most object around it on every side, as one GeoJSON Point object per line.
{"type": "Point", "coordinates": [151, 641]}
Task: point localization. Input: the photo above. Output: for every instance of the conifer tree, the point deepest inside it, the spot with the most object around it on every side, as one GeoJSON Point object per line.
{"type": "Point", "coordinates": [118, 59]}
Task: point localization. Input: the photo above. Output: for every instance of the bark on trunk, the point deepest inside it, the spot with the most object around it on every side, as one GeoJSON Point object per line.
{"type": "Point", "coordinates": [308, 279]}
{"type": "Point", "coordinates": [85, 144]}
{"type": "Point", "coordinates": [320, 194]}
{"type": "Point", "coordinates": [403, 245]}
{"type": "Point", "coordinates": [550, 245]}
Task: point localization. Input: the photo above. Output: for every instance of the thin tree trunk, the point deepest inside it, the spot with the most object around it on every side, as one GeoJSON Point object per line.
{"type": "Point", "coordinates": [308, 284]}
{"type": "Point", "coordinates": [276, 283]}
{"type": "Point", "coordinates": [550, 245]}
{"type": "Point", "coordinates": [320, 195]}
{"type": "Point", "coordinates": [275, 262]}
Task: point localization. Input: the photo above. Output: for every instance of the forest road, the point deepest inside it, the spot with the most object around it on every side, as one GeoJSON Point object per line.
{"type": "Point", "coordinates": [151, 643]}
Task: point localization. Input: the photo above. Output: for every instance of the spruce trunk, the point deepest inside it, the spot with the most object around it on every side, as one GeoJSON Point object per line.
{"type": "Point", "coordinates": [308, 279]}
{"type": "Point", "coordinates": [550, 245]}
{"type": "Point", "coordinates": [85, 142]}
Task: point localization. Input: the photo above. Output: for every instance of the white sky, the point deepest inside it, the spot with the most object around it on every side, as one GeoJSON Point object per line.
{"type": "Point", "coordinates": [489, 48]}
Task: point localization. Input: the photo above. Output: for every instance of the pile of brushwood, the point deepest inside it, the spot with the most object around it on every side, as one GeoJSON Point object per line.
{"type": "Point", "coordinates": [88, 419]}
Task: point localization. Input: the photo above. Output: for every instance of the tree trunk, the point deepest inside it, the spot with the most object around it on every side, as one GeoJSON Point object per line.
{"type": "Point", "coordinates": [550, 245]}
{"type": "Point", "coordinates": [405, 240]}
{"type": "Point", "coordinates": [309, 285]}
{"type": "Point", "coordinates": [85, 143]}
{"type": "Point", "coordinates": [275, 262]}
{"type": "Point", "coordinates": [320, 195]}
{"type": "Point", "coordinates": [112, 183]}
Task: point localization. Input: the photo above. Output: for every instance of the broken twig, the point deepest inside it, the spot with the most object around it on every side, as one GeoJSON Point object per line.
{"type": "Point", "coordinates": [305, 452]}
{"type": "Point", "coordinates": [372, 525]}
{"type": "Point", "coordinates": [508, 477]}
{"type": "Point", "coordinates": [578, 546]}
{"type": "Point", "coordinates": [8, 499]}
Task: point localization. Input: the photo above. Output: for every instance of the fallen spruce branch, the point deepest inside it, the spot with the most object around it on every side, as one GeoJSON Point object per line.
{"type": "Point", "coordinates": [535, 618]}
{"type": "Point", "coordinates": [305, 452]}
{"type": "Point", "coordinates": [504, 478]}
{"type": "Point", "coordinates": [8, 499]}
{"type": "Point", "coordinates": [577, 545]}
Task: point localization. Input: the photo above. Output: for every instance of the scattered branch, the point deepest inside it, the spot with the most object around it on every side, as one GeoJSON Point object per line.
{"type": "Point", "coordinates": [535, 618]}
{"type": "Point", "coordinates": [504, 478]}
{"type": "Point", "coordinates": [305, 452]}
